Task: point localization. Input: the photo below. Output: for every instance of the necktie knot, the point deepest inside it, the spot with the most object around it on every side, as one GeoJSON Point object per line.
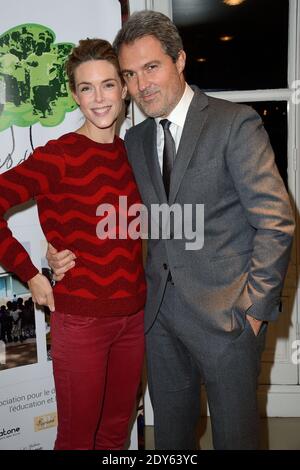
{"type": "Point", "coordinates": [165, 124]}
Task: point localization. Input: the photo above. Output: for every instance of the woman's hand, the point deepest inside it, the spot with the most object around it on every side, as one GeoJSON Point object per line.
{"type": "Point", "coordinates": [60, 262]}
{"type": "Point", "coordinates": [41, 291]}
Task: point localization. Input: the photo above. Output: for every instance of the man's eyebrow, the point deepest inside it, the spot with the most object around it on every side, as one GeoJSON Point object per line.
{"type": "Point", "coordinates": [126, 70]}
{"type": "Point", "coordinates": [144, 66]}
{"type": "Point", "coordinates": [151, 62]}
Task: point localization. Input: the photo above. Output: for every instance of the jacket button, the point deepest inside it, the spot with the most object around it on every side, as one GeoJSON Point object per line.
{"type": "Point", "coordinates": [165, 266]}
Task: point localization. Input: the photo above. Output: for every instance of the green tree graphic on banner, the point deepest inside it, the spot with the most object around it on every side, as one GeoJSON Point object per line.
{"type": "Point", "coordinates": [33, 83]}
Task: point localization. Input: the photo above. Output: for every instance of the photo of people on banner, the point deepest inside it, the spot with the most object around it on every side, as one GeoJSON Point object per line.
{"type": "Point", "coordinates": [17, 323]}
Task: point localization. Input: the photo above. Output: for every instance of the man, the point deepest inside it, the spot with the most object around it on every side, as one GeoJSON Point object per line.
{"type": "Point", "coordinates": [207, 309]}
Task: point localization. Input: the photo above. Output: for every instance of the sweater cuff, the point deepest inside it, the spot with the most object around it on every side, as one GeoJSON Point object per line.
{"type": "Point", "coordinates": [26, 271]}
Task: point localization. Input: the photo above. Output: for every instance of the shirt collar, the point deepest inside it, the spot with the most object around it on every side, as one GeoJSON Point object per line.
{"type": "Point", "coordinates": [178, 114]}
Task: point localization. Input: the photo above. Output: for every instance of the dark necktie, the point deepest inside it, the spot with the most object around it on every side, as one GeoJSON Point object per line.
{"type": "Point", "coordinates": [168, 154]}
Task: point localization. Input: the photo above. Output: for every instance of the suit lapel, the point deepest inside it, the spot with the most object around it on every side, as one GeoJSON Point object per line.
{"type": "Point", "coordinates": [195, 119]}
{"type": "Point", "coordinates": [150, 149]}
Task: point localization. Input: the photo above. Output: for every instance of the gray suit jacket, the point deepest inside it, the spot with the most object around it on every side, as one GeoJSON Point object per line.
{"type": "Point", "coordinates": [224, 161]}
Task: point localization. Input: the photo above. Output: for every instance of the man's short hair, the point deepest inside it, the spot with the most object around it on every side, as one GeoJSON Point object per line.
{"type": "Point", "coordinates": [150, 23]}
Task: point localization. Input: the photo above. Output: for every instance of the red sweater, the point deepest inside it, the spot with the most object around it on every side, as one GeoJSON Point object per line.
{"type": "Point", "coordinates": [69, 178]}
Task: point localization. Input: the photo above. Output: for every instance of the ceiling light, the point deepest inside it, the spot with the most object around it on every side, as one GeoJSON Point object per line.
{"type": "Point", "coordinates": [226, 38]}
{"type": "Point", "coordinates": [233, 3]}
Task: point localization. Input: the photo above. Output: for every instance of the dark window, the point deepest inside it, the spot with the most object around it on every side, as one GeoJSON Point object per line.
{"type": "Point", "coordinates": [237, 47]}
{"type": "Point", "coordinates": [274, 116]}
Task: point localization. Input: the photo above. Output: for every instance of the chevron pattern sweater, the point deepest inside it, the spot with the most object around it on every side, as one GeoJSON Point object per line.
{"type": "Point", "coordinates": [69, 178]}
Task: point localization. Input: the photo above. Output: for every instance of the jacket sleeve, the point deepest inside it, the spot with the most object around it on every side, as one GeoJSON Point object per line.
{"type": "Point", "coordinates": [262, 193]}
{"type": "Point", "coordinates": [38, 175]}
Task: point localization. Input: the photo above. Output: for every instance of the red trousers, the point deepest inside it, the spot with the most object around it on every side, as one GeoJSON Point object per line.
{"type": "Point", "coordinates": [97, 365]}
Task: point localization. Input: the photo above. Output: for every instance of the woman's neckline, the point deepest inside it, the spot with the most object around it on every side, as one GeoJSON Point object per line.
{"type": "Point", "coordinates": [94, 142]}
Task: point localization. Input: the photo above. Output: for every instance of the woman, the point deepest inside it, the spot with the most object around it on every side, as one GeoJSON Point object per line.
{"type": "Point", "coordinates": [97, 321]}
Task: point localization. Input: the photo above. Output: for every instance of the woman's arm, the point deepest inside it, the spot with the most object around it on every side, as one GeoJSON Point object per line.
{"type": "Point", "coordinates": [37, 175]}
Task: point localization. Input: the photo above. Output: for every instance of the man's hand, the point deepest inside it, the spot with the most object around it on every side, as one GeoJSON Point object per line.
{"type": "Point", "coordinates": [41, 291]}
{"type": "Point", "coordinates": [255, 324]}
{"type": "Point", "coordinates": [60, 262]}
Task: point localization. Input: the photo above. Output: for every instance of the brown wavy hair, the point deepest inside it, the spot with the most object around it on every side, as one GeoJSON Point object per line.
{"type": "Point", "coordinates": [90, 49]}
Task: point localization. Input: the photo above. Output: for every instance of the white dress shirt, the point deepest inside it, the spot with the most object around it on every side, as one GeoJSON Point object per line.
{"type": "Point", "coordinates": [177, 118]}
